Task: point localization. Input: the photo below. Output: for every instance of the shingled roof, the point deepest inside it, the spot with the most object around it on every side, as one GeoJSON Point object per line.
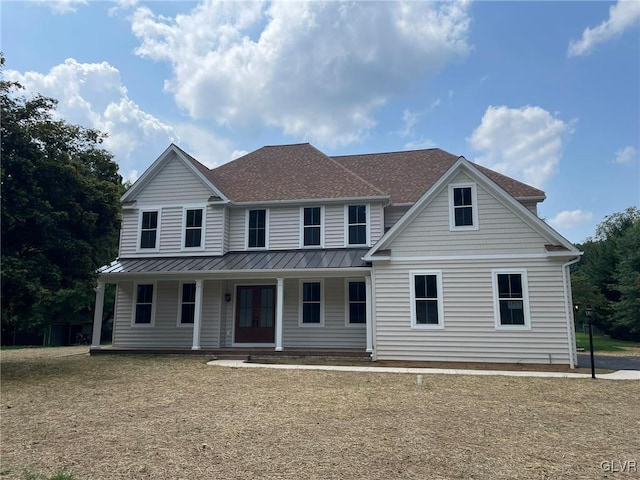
{"type": "Point", "coordinates": [299, 172]}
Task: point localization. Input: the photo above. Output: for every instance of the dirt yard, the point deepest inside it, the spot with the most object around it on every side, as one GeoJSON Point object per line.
{"type": "Point", "coordinates": [174, 417]}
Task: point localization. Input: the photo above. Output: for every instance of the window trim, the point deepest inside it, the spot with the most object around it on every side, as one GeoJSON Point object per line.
{"type": "Point", "coordinates": [158, 229]}
{"type": "Point", "coordinates": [347, 322]}
{"type": "Point", "coordinates": [266, 229]}
{"type": "Point", "coordinates": [202, 228]}
{"type": "Point", "coordinates": [302, 226]}
{"type": "Point", "coordinates": [134, 303]}
{"type": "Point", "coordinates": [180, 294]}
{"type": "Point", "coordinates": [525, 299]}
{"type": "Point", "coordinates": [367, 212]}
{"type": "Point", "coordinates": [474, 207]}
{"type": "Point", "coordinates": [301, 282]}
{"type": "Point", "coordinates": [412, 293]}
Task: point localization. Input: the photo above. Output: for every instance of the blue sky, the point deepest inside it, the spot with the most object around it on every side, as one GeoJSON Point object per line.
{"type": "Point", "coordinates": [546, 92]}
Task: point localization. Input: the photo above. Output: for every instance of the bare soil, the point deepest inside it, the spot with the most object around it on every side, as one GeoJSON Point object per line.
{"type": "Point", "coordinates": [174, 417]}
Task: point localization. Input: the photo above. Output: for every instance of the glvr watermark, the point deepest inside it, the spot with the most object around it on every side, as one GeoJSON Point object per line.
{"type": "Point", "coordinates": [619, 466]}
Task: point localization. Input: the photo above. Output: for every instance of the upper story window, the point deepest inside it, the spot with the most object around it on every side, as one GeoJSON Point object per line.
{"type": "Point", "coordinates": [149, 229]}
{"type": "Point", "coordinates": [257, 229]}
{"type": "Point", "coordinates": [426, 299]}
{"type": "Point", "coordinates": [312, 226]}
{"type": "Point", "coordinates": [311, 307]}
{"type": "Point", "coordinates": [511, 299]}
{"type": "Point", "coordinates": [144, 309]}
{"type": "Point", "coordinates": [463, 207]}
{"type": "Point", "coordinates": [193, 227]}
{"type": "Point", "coordinates": [357, 225]}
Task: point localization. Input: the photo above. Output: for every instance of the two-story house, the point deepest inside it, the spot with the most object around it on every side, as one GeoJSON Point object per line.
{"type": "Point", "coordinates": [418, 255]}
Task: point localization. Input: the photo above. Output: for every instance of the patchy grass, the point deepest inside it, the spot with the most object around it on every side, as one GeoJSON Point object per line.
{"type": "Point", "coordinates": [606, 345]}
{"type": "Point", "coordinates": [141, 417]}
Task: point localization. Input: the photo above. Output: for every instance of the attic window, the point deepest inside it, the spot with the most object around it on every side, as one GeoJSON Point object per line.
{"type": "Point", "coordinates": [463, 207]}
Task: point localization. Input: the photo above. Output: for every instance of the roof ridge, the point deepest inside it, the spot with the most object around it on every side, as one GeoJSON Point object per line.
{"type": "Point", "coordinates": [392, 152]}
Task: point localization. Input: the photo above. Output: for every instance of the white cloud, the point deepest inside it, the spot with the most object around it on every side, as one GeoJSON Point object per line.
{"type": "Point", "coordinates": [206, 147]}
{"type": "Point", "coordinates": [420, 144]}
{"type": "Point", "coordinates": [622, 16]}
{"type": "Point", "coordinates": [63, 6]}
{"type": "Point", "coordinates": [626, 155]}
{"type": "Point", "coordinates": [571, 219]}
{"type": "Point", "coordinates": [524, 143]}
{"type": "Point", "coordinates": [317, 70]}
{"type": "Point", "coordinates": [410, 120]}
{"type": "Point", "coordinates": [92, 95]}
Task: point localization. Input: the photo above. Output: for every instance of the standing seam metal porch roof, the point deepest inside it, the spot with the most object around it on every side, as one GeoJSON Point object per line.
{"type": "Point", "coordinates": [234, 261]}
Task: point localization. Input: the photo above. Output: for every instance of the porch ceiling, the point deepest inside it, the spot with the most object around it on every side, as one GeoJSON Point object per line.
{"type": "Point", "coordinates": [278, 260]}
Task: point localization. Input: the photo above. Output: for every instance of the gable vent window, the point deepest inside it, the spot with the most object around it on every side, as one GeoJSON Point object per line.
{"type": "Point", "coordinates": [193, 228]}
{"type": "Point", "coordinates": [149, 230]}
{"type": "Point", "coordinates": [311, 226]}
{"type": "Point", "coordinates": [257, 229]}
{"type": "Point", "coordinates": [463, 207]}
{"type": "Point", "coordinates": [357, 226]}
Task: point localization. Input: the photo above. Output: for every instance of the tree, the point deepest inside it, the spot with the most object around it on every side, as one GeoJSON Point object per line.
{"type": "Point", "coordinates": [60, 212]}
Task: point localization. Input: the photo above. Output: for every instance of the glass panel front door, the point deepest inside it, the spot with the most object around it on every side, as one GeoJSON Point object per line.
{"type": "Point", "coordinates": [255, 314]}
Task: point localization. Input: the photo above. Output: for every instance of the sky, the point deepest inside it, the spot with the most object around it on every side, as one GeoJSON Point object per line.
{"type": "Point", "coordinates": [545, 92]}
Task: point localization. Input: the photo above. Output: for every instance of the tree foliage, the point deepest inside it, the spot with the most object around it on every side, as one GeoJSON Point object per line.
{"type": "Point", "coordinates": [608, 278]}
{"type": "Point", "coordinates": [60, 212]}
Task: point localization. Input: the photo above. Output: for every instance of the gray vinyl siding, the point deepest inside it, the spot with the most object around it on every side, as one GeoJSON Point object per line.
{"type": "Point", "coordinates": [284, 228]}
{"type": "Point", "coordinates": [165, 332]}
{"type": "Point", "coordinates": [500, 230]}
{"type": "Point", "coordinates": [237, 227]}
{"type": "Point", "coordinates": [214, 230]}
{"type": "Point", "coordinates": [334, 226]}
{"type": "Point", "coordinates": [128, 233]}
{"type": "Point", "coordinates": [175, 184]}
{"type": "Point", "coordinates": [392, 214]}
{"type": "Point", "coordinates": [334, 333]}
{"type": "Point", "coordinates": [469, 333]}
{"type": "Point", "coordinates": [532, 206]}
{"type": "Point", "coordinates": [376, 219]}
{"type": "Point", "coordinates": [227, 216]}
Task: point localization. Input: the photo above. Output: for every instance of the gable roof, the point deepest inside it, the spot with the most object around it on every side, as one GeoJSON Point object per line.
{"type": "Point", "coordinates": [289, 172]}
{"type": "Point", "coordinates": [406, 176]}
{"type": "Point", "coordinates": [561, 244]}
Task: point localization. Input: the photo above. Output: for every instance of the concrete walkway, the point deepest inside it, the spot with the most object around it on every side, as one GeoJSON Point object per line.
{"type": "Point", "coordinates": [619, 375]}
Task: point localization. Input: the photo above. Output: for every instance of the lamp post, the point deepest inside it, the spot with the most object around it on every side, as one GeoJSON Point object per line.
{"type": "Point", "coordinates": [588, 311]}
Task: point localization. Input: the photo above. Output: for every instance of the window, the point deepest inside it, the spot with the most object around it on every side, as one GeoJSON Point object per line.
{"type": "Point", "coordinates": [357, 225]}
{"type": "Point", "coordinates": [149, 230]}
{"type": "Point", "coordinates": [356, 294]}
{"type": "Point", "coordinates": [143, 312]}
{"type": "Point", "coordinates": [426, 299]}
{"type": "Point", "coordinates": [311, 308]}
{"type": "Point", "coordinates": [311, 226]}
{"type": "Point", "coordinates": [511, 299]}
{"type": "Point", "coordinates": [463, 207]}
{"type": "Point", "coordinates": [187, 303]}
{"type": "Point", "coordinates": [193, 228]}
{"type": "Point", "coordinates": [257, 229]}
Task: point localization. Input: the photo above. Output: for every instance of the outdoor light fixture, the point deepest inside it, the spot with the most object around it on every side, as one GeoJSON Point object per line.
{"type": "Point", "coordinates": [227, 297]}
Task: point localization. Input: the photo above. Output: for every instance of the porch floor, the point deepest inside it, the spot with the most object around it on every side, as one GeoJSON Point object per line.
{"type": "Point", "coordinates": [233, 353]}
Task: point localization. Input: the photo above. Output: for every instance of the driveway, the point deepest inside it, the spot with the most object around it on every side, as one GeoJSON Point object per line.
{"type": "Point", "coordinates": [609, 362]}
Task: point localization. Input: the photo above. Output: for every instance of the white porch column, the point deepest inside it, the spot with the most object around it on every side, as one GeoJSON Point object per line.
{"type": "Point", "coordinates": [369, 313]}
{"type": "Point", "coordinates": [197, 316]}
{"type": "Point", "coordinates": [279, 306]}
{"type": "Point", "coordinates": [97, 315]}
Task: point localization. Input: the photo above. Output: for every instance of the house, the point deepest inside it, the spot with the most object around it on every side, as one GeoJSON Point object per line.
{"type": "Point", "coordinates": [417, 255]}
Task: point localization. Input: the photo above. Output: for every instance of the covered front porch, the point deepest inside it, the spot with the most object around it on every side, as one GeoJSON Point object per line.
{"type": "Point", "coordinates": [322, 302]}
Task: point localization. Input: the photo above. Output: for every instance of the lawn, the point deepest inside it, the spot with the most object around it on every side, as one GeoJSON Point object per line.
{"type": "Point", "coordinates": [606, 345]}
{"type": "Point", "coordinates": [172, 417]}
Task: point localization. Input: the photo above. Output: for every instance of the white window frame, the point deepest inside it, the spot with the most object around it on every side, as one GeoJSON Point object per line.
{"type": "Point", "coordinates": [266, 229]}
{"type": "Point", "coordinates": [180, 293]}
{"type": "Point", "coordinates": [202, 228]}
{"type": "Point", "coordinates": [158, 228]}
{"type": "Point", "coordinates": [134, 303]}
{"type": "Point", "coordinates": [302, 226]}
{"type": "Point", "coordinates": [347, 319]}
{"type": "Point", "coordinates": [367, 212]}
{"type": "Point", "coordinates": [474, 207]}
{"type": "Point", "coordinates": [300, 302]}
{"type": "Point", "coordinates": [412, 293]}
{"type": "Point", "coordinates": [525, 298]}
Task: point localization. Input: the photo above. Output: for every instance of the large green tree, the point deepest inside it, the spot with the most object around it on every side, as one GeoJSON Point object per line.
{"type": "Point", "coordinates": [60, 212]}
{"type": "Point", "coordinates": [608, 278]}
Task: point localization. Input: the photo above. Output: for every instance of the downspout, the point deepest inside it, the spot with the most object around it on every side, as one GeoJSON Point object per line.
{"type": "Point", "coordinates": [566, 286]}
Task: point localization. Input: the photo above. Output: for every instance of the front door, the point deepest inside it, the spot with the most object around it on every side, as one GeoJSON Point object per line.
{"type": "Point", "coordinates": [255, 314]}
